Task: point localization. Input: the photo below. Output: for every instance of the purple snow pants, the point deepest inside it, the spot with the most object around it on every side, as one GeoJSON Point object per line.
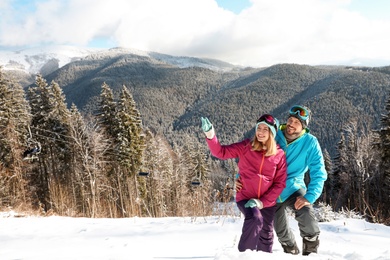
{"type": "Point", "coordinates": [258, 229]}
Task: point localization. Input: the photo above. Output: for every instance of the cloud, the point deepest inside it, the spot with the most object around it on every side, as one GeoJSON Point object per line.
{"type": "Point", "coordinates": [266, 33]}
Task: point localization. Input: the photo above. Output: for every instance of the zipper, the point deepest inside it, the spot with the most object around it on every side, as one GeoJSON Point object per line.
{"type": "Point", "coordinates": [260, 170]}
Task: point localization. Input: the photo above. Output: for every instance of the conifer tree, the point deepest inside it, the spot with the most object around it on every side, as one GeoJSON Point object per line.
{"type": "Point", "coordinates": [50, 127]}
{"type": "Point", "coordinates": [339, 177]}
{"type": "Point", "coordinates": [122, 123]}
{"type": "Point", "coordinates": [5, 121]}
{"type": "Point", "coordinates": [106, 116]}
{"type": "Point", "coordinates": [14, 119]}
{"type": "Point", "coordinates": [129, 143]}
{"type": "Point", "coordinates": [61, 120]}
{"type": "Point", "coordinates": [384, 149]}
{"type": "Point", "coordinates": [130, 136]}
{"type": "Point", "coordinates": [328, 186]}
{"type": "Point", "coordinates": [107, 110]}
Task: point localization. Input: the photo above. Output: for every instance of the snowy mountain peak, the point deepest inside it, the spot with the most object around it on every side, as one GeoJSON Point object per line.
{"type": "Point", "coordinates": [46, 59]}
{"type": "Point", "coordinates": [32, 60]}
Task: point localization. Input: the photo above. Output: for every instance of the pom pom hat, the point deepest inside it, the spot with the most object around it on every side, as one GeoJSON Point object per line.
{"type": "Point", "coordinates": [270, 121]}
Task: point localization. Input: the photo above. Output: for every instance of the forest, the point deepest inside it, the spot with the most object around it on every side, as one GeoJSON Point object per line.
{"type": "Point", "coordinates": [105, 161]}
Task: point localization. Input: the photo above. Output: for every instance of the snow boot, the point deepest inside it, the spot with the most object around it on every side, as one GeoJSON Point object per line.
{"type": "Point", "coordinates": [291, 249]}
{"type": "Point", "coordinates": [310, 245]}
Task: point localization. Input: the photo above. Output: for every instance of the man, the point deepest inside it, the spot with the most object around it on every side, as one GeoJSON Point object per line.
{"type": "Point", "coordinates": [303, 153]}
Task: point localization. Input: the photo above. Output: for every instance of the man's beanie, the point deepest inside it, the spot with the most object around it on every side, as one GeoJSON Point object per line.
{"type": "Point", "coordinates": [304, 123]}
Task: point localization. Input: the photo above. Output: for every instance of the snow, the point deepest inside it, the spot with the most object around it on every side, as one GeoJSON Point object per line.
{"type": "Point", "coordinates": [173, 238]}
{"type": "Point", "coordinates": [31, 60]}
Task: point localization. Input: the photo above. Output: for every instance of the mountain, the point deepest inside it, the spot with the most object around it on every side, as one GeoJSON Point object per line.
{"type": "Point", "coordinates": [172, 93]}
{"type": "Point", "coordinates": [42, 60]}
{"type": "Point", "coordinates": [47, 59]}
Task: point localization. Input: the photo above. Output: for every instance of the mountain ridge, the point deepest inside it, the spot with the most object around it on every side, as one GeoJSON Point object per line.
{"type": "Point", "coordinates": [45, 60]}
{"type": "Point", "coordinates": [172, 93]}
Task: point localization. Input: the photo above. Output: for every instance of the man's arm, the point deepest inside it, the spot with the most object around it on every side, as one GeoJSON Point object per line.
{"type": "Point", "coordinates": [317, 171]}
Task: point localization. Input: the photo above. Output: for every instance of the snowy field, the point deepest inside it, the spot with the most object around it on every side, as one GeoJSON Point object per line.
{"type": "Point", "coordinates": [173, 238]}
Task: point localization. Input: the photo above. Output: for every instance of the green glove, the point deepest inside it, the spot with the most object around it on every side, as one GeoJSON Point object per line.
{"type": "Point", "coordinates": [254, 203]}
{"type": "Point", "coordinates": [206, 125]}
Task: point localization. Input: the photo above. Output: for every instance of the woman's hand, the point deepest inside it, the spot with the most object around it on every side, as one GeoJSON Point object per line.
{"type": "Point", "coordinates": [207, 128]}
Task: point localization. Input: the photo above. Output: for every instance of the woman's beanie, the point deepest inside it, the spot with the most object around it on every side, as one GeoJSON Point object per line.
{"type": "Point", "coordinates": [274, 129]}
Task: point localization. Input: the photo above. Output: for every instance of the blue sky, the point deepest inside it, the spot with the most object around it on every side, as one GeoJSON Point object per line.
{"type": "Point", "coordinates": [243, 32]}
{"type": "Point", "coordinates": [369, 8]}
{"type": "Point", "coordinates": [373, 9]}
{"type": "Point", "coordinates": [235, 6]}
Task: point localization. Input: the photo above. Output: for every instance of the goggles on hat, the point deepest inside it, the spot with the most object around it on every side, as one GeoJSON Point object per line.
{"type": "Point", "coordinates": [299, 111]}
{"type": "Point", "coordinates": [268, 119]}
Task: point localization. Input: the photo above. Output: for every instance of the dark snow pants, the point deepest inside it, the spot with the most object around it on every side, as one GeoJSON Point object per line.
{"type": "Point", "coordinates": [257, 231]}
{"type": "Point", "coordinates": [307, 223]}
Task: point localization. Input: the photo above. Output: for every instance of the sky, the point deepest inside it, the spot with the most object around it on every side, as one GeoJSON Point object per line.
{"type": "Point", "coordinates": [28, 237]}
{"type": "Point", "coordinates": [253, 33]}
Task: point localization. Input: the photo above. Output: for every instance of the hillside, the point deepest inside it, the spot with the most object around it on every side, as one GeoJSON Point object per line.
{"type": "Point", "coordinates": [335, 96]}
{"type": "Point", "coordinates": [172, 93]}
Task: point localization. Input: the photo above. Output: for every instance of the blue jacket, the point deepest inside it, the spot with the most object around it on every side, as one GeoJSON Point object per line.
{"type": "Point", "coordinates": [302, 154]}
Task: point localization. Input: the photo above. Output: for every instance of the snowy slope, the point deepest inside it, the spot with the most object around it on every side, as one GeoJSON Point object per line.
{"type": "Point", "coordinates": [33, 60]}
{"type": "Point", "coordinates": [174, 238]}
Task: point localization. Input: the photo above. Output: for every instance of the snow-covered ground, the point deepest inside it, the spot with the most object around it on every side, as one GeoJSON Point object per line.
{"type": "Point", "coordinates": [174, 238]}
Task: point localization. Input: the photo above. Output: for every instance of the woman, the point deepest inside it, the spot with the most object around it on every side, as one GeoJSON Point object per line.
{"type": "Point", "coordinates": [262, 170]}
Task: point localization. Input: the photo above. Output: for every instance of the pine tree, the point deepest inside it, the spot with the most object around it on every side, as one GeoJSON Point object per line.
{"type": "Point", "coordinates": [107, 119]}
{"type": "Point", "coordinates": [130, 138]}
{"type": "Point", "coordinates": [107, 110]}
{"type": "Point", "coordinates": [50, 128]}
{"type": "Point", "coordinates": [5, 119]}
{"type": "Point", "coordinates": [339, 177]}
{"type": "Point", "coordinates": [384, 149]}
{"type": "Point", "coordinates": [60, 127]}
{"type": "Point", "coordinates": [14, 119]}
{"type": "Point", "coordinates": [129, 143]}
{"type": "Point", "coordinates": [328, 186]}
{"type": "Point", "coordinates": [122, 123]}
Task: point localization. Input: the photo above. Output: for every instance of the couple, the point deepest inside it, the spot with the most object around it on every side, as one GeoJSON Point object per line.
{"type": "Point", "coordinates": [272, 169]}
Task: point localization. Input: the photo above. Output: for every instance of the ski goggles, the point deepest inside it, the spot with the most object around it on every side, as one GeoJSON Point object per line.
{"type": "Point", "coordinates": [268, 119]}
{"type": "Point", "coordinates": [299, 111]}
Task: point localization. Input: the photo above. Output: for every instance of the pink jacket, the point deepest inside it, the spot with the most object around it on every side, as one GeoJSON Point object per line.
{"type": "Point", "coordinates": [262, 177]}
